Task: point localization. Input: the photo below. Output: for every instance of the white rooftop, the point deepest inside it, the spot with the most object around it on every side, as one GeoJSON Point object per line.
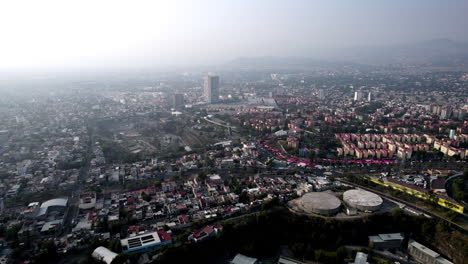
{"type": "Point", "coordinates": [104, 254]}
{"type": "Point", "coordinates": [55, 202]}
{"type": "Point", "coordinates": [424, 249]}
{"type": "Point", "coordinates": [141, 240]}
{"type": "Point", "coordinates": [392, 236]}
{"type": "Point", "coordinates": [241, 259]}
{"type": "Point", "coordinates": [215, 177]}
{"type": "Point", "coordinates": [361, 258]}
{"type": "Point", "coordinates": [362, 197]}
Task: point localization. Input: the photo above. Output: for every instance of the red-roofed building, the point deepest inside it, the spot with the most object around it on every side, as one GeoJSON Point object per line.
{"type": "Point", "coordinates": [205, 232]}
{"type": "Point", "coordinates": [164, 236]}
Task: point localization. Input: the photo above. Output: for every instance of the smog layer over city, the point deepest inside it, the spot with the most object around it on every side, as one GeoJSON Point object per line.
{"type": "Point", "coordinates": [233, 132]}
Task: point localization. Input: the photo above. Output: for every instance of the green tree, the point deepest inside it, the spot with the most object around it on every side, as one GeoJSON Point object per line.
{"type": "Point", "coordinates": [298, 249]}
{"type": "Point", "coordinates": [48, 253]}
{"type": "Point", "coordinates": [12, 232]}
{"type": "Point", "coordinates": [114, 245]}
{"type": "Point", "coordinates": [244, 197]}
{"type": "Point", "coordinates": [145, 196]}
{"type": "Point", "coordinates": [120, 259]}
{"type": "Point", "coordinates": [460, 189]}
{"type": "Point", "coordinates": [201, 176]}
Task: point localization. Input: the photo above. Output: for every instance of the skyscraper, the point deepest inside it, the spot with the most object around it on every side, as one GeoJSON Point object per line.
{"type": "Point", "coordinates": [358, 96]}
{"type": "Point", "coordinates": [177, 100]}
{"type": "Point", "coordinates": [321, 94]}
{"type": "Point", "coordinates": [211, 89]}
{"type": "Point", "coordinates": [369, 96]}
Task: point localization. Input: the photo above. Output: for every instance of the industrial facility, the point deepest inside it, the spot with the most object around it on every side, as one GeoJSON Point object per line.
{"type": "Point", "coordinates": [52, 207]}
{"type": "Point", "coordinates": [51, 214]}
{"type": "Point", "coordinates": [322, 203]}
{"type": "Point", "coordinates": [362, 200]}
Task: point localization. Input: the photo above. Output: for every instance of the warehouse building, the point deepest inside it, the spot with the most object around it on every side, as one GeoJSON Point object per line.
{"type": "Point", "coordinates": [51, 214]}
{"type": "Point", "coordinates": [52, 207]}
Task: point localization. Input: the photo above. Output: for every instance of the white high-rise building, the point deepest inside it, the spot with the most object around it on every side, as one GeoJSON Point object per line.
{"type": "Point", "coordinates": [369, 96]}
{"type": "Point", "coordinates": [211, 89]}
{"type": "Point", "coordinates": [321, 94]}
{"type": "Point", "coordinates": [358, 96]}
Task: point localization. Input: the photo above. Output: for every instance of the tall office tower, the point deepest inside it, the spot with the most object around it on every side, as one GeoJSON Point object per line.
{"type": "Point", "coordinates": [445, 113]}
{"type": "Point", "coordinates": [321, 94]}
{"type": "Point", "coordinates": [358, 96]}
{"type": "Point", "coordinates": [211, 87]}
{"type": "Point", "coordinates": [369, 96]}
{"type": "Point", "coordinates": [177, 100]}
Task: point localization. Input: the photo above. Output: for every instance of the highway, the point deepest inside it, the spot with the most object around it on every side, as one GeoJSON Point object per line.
{"type": "Point", "coordinates": [219, 124]}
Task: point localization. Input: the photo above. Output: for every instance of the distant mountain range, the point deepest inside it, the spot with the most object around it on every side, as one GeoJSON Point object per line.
{"type": "Point", "coordinates": [432, 53]}
{"type": "Point", "coordinates": [436, 52]}
{"type": "Point", "coordinates": [280, 62]}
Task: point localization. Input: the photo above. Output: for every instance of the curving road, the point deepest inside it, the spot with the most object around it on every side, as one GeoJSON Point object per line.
{"type": "Point", "coordinates": [219, 124]}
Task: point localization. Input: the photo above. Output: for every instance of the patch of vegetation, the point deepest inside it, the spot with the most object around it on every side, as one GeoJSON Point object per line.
{"type": "Point", "coordinates": [460, 188]}
{"type": "Point", "coordinates": [313, 238]}
{"type": "Point", "coordinates": [115, 153]}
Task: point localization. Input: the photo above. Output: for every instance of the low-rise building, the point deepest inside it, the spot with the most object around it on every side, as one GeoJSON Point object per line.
{"type": "Point", "coordinates": [386, 241]}
{"type": "Point", "coordinates": [104, 255]}
{"type": "Point", "coordinates": [205, 232]}
{"type": "Point", "coordinates": [87, 200]}
{"type": "Point", "coordinates": [146, 242]}
{"type": "Point", "coordinates": [422, 254]}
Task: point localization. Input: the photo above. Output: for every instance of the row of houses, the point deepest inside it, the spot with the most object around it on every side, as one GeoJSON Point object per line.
{"type": "Point", "coordinates": [387, 146]}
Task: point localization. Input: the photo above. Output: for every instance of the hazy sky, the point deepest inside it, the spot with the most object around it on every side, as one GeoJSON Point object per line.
{"type": "Point", "coordinates": [101, 33]}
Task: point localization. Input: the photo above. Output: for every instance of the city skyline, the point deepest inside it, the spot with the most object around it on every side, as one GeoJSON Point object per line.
{"type": "Point", "coordinates": [239, 132]}
{"type": "Point", "coordinates": [53, 35]}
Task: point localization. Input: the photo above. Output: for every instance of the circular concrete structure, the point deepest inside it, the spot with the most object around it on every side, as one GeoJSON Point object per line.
{"type": "Point", "coordinates": [320, 203]}
{"type": "Point", "coordinates": [362, 200]}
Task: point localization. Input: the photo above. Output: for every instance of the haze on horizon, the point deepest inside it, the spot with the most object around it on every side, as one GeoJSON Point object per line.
{"type": "Point", "coordinates": [99, 34]}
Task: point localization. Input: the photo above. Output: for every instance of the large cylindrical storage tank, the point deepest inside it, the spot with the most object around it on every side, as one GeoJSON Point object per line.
{"type": "Point", "coordinates": [320, 203]}
{"type": "Point", "coordinates": [362, 200]}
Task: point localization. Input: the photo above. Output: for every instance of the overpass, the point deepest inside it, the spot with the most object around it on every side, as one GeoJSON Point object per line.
{"type": "Point", "coordinates": [219, 124]}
